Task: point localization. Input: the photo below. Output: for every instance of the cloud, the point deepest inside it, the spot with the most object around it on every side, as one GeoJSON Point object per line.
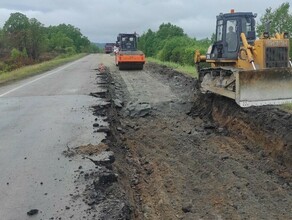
{"type": "Point", "coordinates": [102, 20]}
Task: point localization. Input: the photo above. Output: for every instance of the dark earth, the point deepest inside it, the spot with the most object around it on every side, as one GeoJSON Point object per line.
{"type": "Point", "coordinates": [174, 153]}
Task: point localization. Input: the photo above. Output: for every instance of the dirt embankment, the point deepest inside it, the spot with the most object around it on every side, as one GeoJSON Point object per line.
{"type": "Point", "coordinates": [268, 128]}
{"type": "Point", "coordinates": [181, 155]}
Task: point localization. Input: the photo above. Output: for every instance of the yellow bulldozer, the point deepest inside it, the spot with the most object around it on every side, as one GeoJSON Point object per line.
{"type": "Point", "coordinates": [253, 72]}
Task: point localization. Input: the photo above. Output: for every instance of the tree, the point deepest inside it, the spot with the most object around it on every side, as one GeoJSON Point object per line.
{"type": "Point", "coordinates": [169, 30]}
{"type": "Point", "coordinates": [170, 43]}
{"type": "Point", "coordinates": [24, 41]}
{"type": "Point", "coordinates": [84, 45]}
{"type": "Point", "coordinates": [281, 20]}
{"type": "Point", "coordinates": [147, 43]}
{"type": "Point", "coordinates": [67, 34]}
{"type": "Point", "coordinates": [173, 48]}
{"type": "Point", "coordinates": [2, 43]}
{"type": "Point", "coordinates": [36, 38]}
{"type": "Point", "coordinates": [95, 49]}
{"type": "Point", "coordinates": [16, 30]}
{"type": "Point", "coordinates": [152, 42]}
{"type": "Point", "coordinates": [59, 41]}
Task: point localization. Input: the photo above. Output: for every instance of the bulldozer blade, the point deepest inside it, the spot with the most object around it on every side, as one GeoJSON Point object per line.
{"type": "Point", "coordinates": [264, 87]}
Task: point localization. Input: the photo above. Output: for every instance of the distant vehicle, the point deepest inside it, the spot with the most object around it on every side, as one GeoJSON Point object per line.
{"type": "Point", "coordinates": [128, 56]}
{"type": "Point", "coordinates": [109, 47]}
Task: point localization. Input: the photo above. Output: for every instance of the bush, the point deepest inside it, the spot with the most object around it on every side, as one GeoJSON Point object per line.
{"type": "Point", "coordinates": [15, 54]}
{"type": "Point", "coordinates": [176, 55]}
{"type": "Point", "coordinates": [172, 44]}
{"type": "Point", "coordinates": [70, 50]}
{"type": "Point", "coordinates": [169, 43]}
{"type": "Point", "coordinates": [188, 56]}
{"type": "Point", "coordinates": [4, 67]}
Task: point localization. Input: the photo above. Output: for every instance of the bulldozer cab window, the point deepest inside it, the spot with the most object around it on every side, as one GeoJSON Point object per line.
{"type": "Point", "coordinates": [219, 31]}
{"type": "Point", "coordinates": [247, 25]}
{"type": "Point", "coordinates": [231, 35]}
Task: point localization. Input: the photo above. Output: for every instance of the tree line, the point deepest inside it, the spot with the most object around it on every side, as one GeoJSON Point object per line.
{"type": "Point", "coordinates": [26, 41]}
{"type": "Point", "coordinates": [170, 43]}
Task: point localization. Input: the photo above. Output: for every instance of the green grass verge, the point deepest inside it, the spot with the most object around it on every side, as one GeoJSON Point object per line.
{"type": "Point", "coordinates": [190, 70]}
{"type": "Point", "coordinates": [287, 107]}
{"type": "Point", "coordinates": [24, 72]}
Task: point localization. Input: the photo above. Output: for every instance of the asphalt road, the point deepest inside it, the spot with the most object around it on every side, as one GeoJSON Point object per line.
{"type": "Point", "coordinates": [40, 117]}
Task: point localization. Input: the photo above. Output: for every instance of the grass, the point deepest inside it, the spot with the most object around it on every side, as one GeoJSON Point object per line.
{"type": "Point", "coordinates": [287, 107]}
{"type": "Point", "coordinates": [24, 72]}
{"type": "Point", "coordinates": [190, 70]}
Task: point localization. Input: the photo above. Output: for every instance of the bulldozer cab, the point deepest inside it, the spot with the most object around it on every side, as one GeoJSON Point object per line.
{"type": "Point", "coordinates": [228, 29]}
{"type": "Point", "coordinates": [127, 42]}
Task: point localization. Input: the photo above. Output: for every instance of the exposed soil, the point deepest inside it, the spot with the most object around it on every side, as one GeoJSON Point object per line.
{"type": "Point", "coordinates": [183, 155]}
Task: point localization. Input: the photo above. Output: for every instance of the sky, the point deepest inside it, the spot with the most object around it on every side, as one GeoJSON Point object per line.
{"type": "Point", "coordinates": [102, 20]}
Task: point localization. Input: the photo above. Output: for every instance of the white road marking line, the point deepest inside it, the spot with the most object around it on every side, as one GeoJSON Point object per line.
{"type": "Point", "coordinates": [30, 82]}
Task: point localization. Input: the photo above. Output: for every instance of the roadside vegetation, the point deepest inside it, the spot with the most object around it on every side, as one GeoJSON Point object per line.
{"type": "Point", "coordinates": [171, 44]}
{"type": "Point", "coordinates": [26, 42]}
{"type": "Point", "coordinates": [287, 107]}
{"type": "Point", "coordinates": [188, 69]}
{"type": "Point", "coordinates": [34, 69]}
{"type": "Point", "coordinates": [171, 47]}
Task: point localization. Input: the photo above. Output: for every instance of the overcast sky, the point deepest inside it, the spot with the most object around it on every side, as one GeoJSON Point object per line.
{"type": "Point", "coordinates": [102, 20]}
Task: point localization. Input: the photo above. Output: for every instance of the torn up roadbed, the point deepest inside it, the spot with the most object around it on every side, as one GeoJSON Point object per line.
{"type": "Point", "coordinates": [183, 155]}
